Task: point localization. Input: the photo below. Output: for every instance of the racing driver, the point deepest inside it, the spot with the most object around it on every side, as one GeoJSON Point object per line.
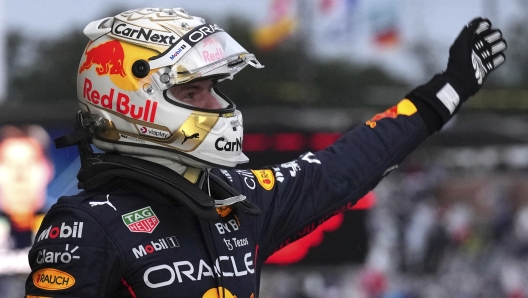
{"type": "Point", "coordinates": [164, 211]}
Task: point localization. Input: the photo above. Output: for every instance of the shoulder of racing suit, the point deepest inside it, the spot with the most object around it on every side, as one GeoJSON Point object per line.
{"type": "Point", "coordinates": [102, 169]}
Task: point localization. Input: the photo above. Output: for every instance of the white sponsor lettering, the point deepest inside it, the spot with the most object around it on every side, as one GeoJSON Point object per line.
{"type": "Point", "coordinates": [293, 166]}
{"type": "Point", "coordinates": [228, 244]}
{"type": "Point", "coordinates": [51, 257]}
{"type": "Point", "coordinates": [204, 31]}
{"type": "Point", "coordinates": [249, 178]}
{"type": "Point", "coordinates": [64, 231]}
{"type": "Point", "coordinates": [240, 242]}
{"type": "Point", "coordinates": [163, 243]}
{"type": "Point", "coordinates": [310, 157]}
{"type": "Point", "coordinates": [278, 174]}
{"type": "Point", "coordinates": [185, 270]}
{"type": "Point", "coordinates": [224, 227]}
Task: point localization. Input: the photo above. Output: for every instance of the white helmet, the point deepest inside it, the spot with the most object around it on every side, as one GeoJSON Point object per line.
{"type": "Point", "coordinates": [125, 73]}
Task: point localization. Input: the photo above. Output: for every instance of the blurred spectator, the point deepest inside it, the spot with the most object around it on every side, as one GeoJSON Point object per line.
{"type": "Point", "coordinates": [25, 171]}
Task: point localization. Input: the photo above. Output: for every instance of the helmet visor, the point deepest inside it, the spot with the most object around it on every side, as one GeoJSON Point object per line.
{"type": "Point", "coordinates": [212, 51]}
{"type": "Point", "coordinates": [207, 51]}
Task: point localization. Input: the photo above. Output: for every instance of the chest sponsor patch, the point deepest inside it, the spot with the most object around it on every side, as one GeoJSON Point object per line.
{"type": "Point", "coordinates": [265, 178]}
{"type": "Point", "coordinates": [52, 279]}
{"type": "Point", "coordinates": [141, 221]}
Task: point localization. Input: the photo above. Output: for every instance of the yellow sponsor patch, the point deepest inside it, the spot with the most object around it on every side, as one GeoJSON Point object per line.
{"type": "Point", "coordinates": [52, 279]}
{"type": "Point", "coordinates": [404, 107]}
{"type": "Point", "coordinates": [266, 178]}
{"type": "Point", "coordinates": [218, 293]}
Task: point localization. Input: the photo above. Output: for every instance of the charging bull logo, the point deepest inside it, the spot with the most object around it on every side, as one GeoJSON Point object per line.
{"type": "Point", "coordinates": [404, 107]}
{"type": "Point", "coordinates": [108, 56]}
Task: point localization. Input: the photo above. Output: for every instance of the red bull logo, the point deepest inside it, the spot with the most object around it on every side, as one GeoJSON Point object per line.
{"type": "Point", "coordinates": [220, 292]}
{"type": "Point", "coordinates": [404, 107]}
{"type": "Point", "coordinates": [213, 56]}
{"type": "Point", "coordinates": [120, 103]}
{"type": "Point", "coordinates": [108, 57]}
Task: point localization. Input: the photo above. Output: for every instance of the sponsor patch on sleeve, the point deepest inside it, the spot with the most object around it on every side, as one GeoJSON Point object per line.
{"type": "Point", "coordinates": [52, 279]}
{"type": "Point", "coordinates": [265, 178]}
{"type": "Point", "coordinates": [404, 107]}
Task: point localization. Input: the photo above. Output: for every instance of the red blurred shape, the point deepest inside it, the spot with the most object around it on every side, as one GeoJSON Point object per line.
{"type": "Point", "coordinates": [365, 202]}
{"type": "Point", "coordinates": [389, 37]}
{"type": "Point", "coordinates": [297, 250]}
{"type": "Point", "coordinates": [289, 142]}
{"type": "Point", "coordinates": [255, 142]}
{"type": "Point", "coordinates": [319, 141]}
{"type": "Point", "coordinates": [326, 6]}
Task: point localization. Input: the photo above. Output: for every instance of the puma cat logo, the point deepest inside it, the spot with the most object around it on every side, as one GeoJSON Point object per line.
{"type": "Point", "coordinates": [193, 136]}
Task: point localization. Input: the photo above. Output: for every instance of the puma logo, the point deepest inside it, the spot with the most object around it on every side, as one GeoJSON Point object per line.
{"type": "Point", "coordinates": [193, 136]}
{"type": "Point", "coordinates": [107, 202]}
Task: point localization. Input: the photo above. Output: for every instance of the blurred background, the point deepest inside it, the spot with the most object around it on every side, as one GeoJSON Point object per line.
{"type": "Point", "coordinates": [452, 221]}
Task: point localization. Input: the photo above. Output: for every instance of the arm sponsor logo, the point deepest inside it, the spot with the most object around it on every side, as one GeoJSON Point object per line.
{"type": "Point", "coordinates": [141, 221]}
{"type": "Point", "coordinates": [53, 257]}
{"type": "Point", "coordinates": [62, 231]}
{"type": "Point", "coordinates": [278, 174]}
{"type": "Point", "coordinates": [52, 279]}
{"type": "Point", "coordinates": [265, 178]}
{"type": "Point", "coordinates": [249, 178]}
{"type": "Point", "coordinates": [404, 107]}
{"type": "Point", "coordinates": [293, 166]}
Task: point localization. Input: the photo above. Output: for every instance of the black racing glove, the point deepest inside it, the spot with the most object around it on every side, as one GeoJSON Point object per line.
{"type": "Point", "coordinates": [476, 52]}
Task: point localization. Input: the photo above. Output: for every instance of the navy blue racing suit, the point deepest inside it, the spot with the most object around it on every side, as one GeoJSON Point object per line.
{"type": "Point", "coordinates": [128, 240]}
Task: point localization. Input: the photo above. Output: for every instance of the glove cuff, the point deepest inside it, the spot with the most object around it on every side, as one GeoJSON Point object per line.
{"type": "Point", "coordinates": [436, 101]}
